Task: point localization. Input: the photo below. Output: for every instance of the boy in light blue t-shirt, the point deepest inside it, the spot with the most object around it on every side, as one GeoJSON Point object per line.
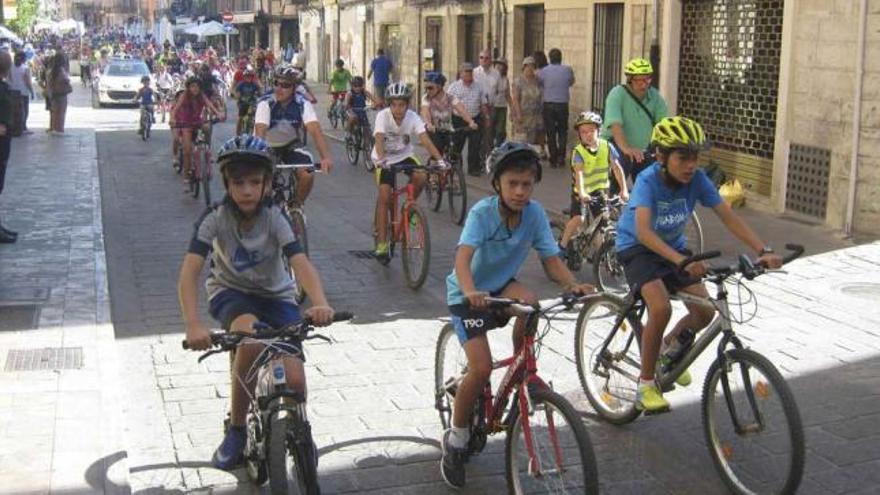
{"type": "Point", "coordinates": [651, 246]}
{"type": "Point", "coordinates": [497, 235]}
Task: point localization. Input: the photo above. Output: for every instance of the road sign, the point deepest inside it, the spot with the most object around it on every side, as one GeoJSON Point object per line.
{"type": "Point", "coordinates": [227, 16]}
{"type": "Point", "coordinates": [228, 27]}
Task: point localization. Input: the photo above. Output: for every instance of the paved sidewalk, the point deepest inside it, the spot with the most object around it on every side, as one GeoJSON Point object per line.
{"type": "Point", "coordinates": [59, 418]}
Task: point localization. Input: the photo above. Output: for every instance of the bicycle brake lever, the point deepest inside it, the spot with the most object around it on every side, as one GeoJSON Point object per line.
{"type": "Point", "coordinates": [209, 353]}
{"type": "Point", "coordinates": [318, 336]}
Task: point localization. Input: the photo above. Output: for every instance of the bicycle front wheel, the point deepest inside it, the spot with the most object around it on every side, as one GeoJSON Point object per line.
{"type": "Point", "coordinates": [332, 115]}
{"type": "Point", "coordinates": [433, 191]}
{"type": "Point", "coordinates": [456, 188]}
{"type": "Point", "coordinates": [195, 174]}
{"type": "Point", "coordinates": [281, 467]}
{"type": "Point", "coordinates": [416, 246]}
{"type": "Point", "coordinates": [752, 426]}
{"type": "Point", "coordinates": [563, 460]}
{"type": "Point", "coordinates": [297, 218]}
{"type": "Point", "coordinates": [450, 365]}
{"type": "Point", "coordinates": [206, 175]}
{"type": "Point", "coordinates": [607, 270]}
{"type": "Point", "coordinates": [352, 149]}
{"type": "Point", "coordinates": [368, 152]}
{"type": "Point", "coordinates": [609, 372]}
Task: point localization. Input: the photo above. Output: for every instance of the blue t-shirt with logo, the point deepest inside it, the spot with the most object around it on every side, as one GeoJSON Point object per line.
{"type": "Point", "coordinates": [670, 208]}
{"type": "Point", "coordinates": [499, 252]}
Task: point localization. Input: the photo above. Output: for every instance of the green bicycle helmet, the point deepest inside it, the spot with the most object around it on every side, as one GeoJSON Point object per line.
{"type": "Point", "coordinates": [638, 67]}
{"type": "Point", "coordinates": [679, 133]}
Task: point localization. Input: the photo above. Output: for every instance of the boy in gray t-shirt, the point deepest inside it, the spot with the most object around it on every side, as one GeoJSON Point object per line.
{"type": "Point", "coordinates": [249, 241]}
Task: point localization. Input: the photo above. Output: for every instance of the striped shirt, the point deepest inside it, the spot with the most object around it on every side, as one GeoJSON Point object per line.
{"type": "Point", "coordinates": [472, 96]}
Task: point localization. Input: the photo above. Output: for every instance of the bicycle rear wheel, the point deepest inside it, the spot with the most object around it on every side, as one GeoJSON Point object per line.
{"type": "Point", "coordinates": [607, 270]}
{"type": "Point", "coordinates": [456, 188]}
{"type": "Point", "coordinates": [610, 377]}
{"type": "Point", "coordinates": [416, 246]}
{"type": "Point", "coordinates": [450, 364]}
{"type": "Point", "coordinates": [766, 455]}
{"type": "Point", "coordinates": [564, 461]}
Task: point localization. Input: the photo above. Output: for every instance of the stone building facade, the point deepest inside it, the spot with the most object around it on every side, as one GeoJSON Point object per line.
{"type": "Point", "coordinates": [775, 82]}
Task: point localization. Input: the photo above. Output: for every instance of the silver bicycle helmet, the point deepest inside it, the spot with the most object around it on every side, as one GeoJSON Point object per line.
{"type": "Point", "coordinates": [588, 118]}
{"type": "Point", "coordinates": [508, 153]}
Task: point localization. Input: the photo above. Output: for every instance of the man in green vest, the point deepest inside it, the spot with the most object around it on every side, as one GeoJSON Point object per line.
{"type": "Point", "coordinates": [591, 160]}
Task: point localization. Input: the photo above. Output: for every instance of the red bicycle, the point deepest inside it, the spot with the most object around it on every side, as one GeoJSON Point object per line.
{"type": "Point", "coordinates": [407, 226]}
{"type": "Point", "coordinates": [548, 448]}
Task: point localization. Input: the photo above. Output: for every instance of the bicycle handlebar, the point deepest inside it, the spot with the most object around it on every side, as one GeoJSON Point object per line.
{"type": "Point", "coordinates": [567, 299]}
{"type": "Point", "coordinates": [228, 340]}
{"type": "Point", "coordinates": [744, 265]}
{"type": "Point", "coordinates": [308, 167]}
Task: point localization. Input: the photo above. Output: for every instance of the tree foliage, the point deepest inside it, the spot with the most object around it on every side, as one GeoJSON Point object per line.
{"type": "Point", "coordinates": [25, 16]}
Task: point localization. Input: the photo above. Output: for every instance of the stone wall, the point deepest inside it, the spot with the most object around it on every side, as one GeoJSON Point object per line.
{"type": "Point", "coordinates": [822, 90]}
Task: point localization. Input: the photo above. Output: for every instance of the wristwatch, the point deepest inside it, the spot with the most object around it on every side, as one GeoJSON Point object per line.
{"type": "Point", "coordinates": [766, 250]}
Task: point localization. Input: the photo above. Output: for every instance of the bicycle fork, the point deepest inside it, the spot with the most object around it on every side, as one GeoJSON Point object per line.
{"type": "Point", "coordinates": [527, 408]}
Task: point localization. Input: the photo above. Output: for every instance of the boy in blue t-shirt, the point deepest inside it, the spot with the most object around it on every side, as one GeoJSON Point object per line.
{"type": "Point", "coordinates": [495, 242]}
{"type": "Point", "coordinates": [651, 245]}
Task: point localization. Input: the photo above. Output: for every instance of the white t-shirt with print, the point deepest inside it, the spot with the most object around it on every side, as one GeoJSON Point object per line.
{"type": "Point", "coordinates": [398, 138]}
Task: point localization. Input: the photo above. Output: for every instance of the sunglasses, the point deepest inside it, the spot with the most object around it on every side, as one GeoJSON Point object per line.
{"type": "Point", "coordinates": [285, 85]}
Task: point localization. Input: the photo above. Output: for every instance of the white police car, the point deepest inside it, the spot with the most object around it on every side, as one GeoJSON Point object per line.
{"type": "Point", "coordinates": [119, 82]}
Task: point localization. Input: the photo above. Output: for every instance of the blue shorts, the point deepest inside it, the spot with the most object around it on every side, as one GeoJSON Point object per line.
{"type": "Point", "coordinates": [470, 323]}
{"type": "Point", "coordinates": [230, 304]}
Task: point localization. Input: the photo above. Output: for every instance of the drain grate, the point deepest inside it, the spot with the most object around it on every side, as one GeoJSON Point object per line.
{"type": "Point", "coordinates": [363, 254]}
{"type": "Point", "coordinates": [49, 358]}
{"type": "Point", "coordinates": [18, 317]}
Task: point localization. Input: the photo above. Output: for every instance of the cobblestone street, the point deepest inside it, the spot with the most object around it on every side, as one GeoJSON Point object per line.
{"type": "Point", "coordinates": [158, 413]}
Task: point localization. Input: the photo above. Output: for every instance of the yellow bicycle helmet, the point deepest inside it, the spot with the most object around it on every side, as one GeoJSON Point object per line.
{"type": "Point", "coordinates": [679, 133]}
{"type": "Point", "coordinates": [638, 67]}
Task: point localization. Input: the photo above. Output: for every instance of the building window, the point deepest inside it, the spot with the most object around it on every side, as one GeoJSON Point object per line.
{"type": "Point", "coordinates": [433, 40]}
{"type": "Point", "coordinates": [473, 38]}
{"type": "Point", "coordinates": [392, 44]}
{"type": "Point", "coordinates": [607, 50]}
{"type": "Point", "coordinates": [534, 30]}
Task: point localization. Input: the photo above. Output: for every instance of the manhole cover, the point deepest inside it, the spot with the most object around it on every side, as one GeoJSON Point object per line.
{"type": "Point", "coordinates": [864, 290]}
{"type": "Point", "coordinates": [364, 255]}
{"type": "Point", "coordinates": [48, 358]}
{"type": "Point", "coordinates": [18, 317]}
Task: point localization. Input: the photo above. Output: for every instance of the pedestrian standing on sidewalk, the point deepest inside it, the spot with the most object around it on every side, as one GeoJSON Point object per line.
{"type": "Point", "coordinates": [21, 81]}
{"type": "Point", "coordinates": [6, 102]}
{"type": "Point", "coordinates": [476, 101]}
{"type": "Point", "coordinates": [380, 71]}
{"type": "Point", "coordinates": [557, 80]}
{"type": "Point", "coordinates": [499, 111]}
{"type": "Point", "coordinates": [489, 77]}
{"type": "Point", "coordinates": [58, 86]}
{"type": "Point", "coordinates": [526, 96]}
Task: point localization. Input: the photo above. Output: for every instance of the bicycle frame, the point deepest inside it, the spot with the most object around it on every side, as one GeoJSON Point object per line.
{"type": "Point", "coordinates": [721, 324]}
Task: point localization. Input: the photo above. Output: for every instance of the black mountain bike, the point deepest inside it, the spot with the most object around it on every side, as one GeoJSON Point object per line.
{"type": "Point", "coordinates": [360, 142]}
{"type": "Point", "coordinates": [450, 181]}
{"type": "Point", "coordinates": [279, 446]}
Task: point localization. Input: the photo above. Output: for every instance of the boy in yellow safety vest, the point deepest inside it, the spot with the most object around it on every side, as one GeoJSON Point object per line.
{"type": "Point", "coordinates": [591, 160]}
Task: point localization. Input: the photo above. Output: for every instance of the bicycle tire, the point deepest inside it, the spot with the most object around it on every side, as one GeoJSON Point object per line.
{"type": "Point", "coordinates": [603, 397]}
{"type": "Point", "coordinates": [443, 399]}
{"type": "Point", "coordinates": [196, 173]}
{"type": "Point", "coordinates": [368, 153]}
{"type": "Point", "coordinates": [583, 475]}
{"type": "Point", "coordinates": [722, 453]}
{"type": "Point", "coordinates": [433, 191]}
{"type": "Point", "coordinates": [331, 114]}
{"type": "Point", "coordinates": [178, 165]}
{"type": "Point", "coordinates": [694, 234]}
{"type": "Point", "coordinates": [277, 457]}
{"type": "Point", "coordinates": [607, 271]}
{"type": "Point", "coordinates": [147, 129]}
{"type": "Point", "coordinates": [352, 149]}
{"type": "Point", "coordinates": [457, 191]}
{"type": "Point", "coordinates": [206, 176]}
{"type": "Point", "coordinates": [419, 240]}
{"type": "Point", "coordinates": [297, 219]}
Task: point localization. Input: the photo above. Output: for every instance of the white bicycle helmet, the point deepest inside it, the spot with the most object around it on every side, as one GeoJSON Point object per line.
{"type": "Point", "coordinates": [398, 91]}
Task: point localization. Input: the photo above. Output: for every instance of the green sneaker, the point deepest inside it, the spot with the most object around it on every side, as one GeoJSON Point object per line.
{"type": "Point", "coordinates": [651, 400]}
{"type": "Point", "coordinates": [382, 255]}
{"type": "Point", "coordinates": [684, 379]}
